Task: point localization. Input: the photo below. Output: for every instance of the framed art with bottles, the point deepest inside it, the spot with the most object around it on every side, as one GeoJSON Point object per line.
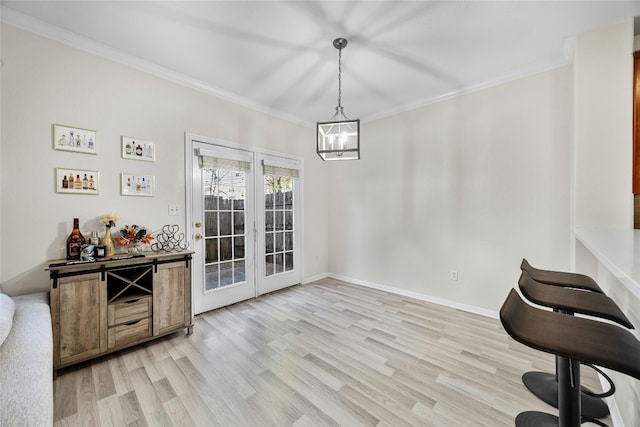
{"type": "Point", "coordinates": [69, 138]}
{"type": "Point", "coordinates": [138, 149]}
{"type": "Point", "coordinates": [77, 181]}
{"type": "Point", "coordinates": [137, 185]}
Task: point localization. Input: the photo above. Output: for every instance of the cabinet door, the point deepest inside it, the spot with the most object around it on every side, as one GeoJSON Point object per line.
{"type": "Point", "coordinates": [171, 297]}
{"type": "Point", "coordinates": [79, 314]}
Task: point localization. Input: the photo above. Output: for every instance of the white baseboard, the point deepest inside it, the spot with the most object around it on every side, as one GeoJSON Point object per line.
{"type": "Point", "coordinates": [616, 418]}
{"type": "Point", "coordinates": [423, 297]}
{"type": "Point", "coordinates": [314, 278]}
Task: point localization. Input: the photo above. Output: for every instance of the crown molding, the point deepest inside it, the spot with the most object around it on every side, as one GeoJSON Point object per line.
{"type": "Point", "coordinates": [531, 70]}
{"type": "Point", "coordinates": [69, 38]}
{"type": "Point", "coordinates": [61, 35]}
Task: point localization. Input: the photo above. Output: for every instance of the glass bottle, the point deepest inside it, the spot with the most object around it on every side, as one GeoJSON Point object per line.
{"type": "Point", "coordinates": [65, 182]}
{"type": "Point", "coordinates": [77, 184]}
{"type": "Point", "coordinates": [85, 182]}
{"type": "Point", "coordinates": [75, 241]}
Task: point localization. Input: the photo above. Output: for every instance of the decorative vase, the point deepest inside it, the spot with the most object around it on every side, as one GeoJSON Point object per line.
{"type": "Point", "coordinates": [107, 242]}
{"type": "Point", "coordinates": [134, 248]}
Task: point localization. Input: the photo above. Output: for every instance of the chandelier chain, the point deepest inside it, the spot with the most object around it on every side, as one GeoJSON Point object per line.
{"type": "Point", "coordinates": [340, 77]}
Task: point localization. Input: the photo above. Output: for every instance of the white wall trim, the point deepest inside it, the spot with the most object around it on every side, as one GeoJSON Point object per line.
{"type": "Point", "coordinates": [423, 297]}
{"type": "Point", "coordinates": [531, 70]}
{"type": "Point", "coordinates": [614, 411]}
{"type": "Point", "coordinates": [311, 279]}
{"type": "Point", "coordinates": [69, 38]}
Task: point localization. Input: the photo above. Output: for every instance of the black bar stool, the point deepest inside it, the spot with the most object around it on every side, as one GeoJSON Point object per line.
{"type": "Point", "coordinates": [574, 340]}
{"type": "Point", "coordinates": [561, 278]}
{"type": "Point", "coordinates": [569, 301]}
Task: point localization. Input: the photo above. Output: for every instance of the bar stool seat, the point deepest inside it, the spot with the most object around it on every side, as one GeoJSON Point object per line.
{"type": "Point", "coordinates": [570, 300]}
{"type": "Point", "coordinates": [561, 278]}
{"type": "Point", "coordinates": [574, 339]}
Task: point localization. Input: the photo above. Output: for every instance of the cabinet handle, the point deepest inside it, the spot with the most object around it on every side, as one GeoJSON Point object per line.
{"type": "Point", "coordinates": [132, 301]}
{"type": "Point", "coordinates": [132, 323]}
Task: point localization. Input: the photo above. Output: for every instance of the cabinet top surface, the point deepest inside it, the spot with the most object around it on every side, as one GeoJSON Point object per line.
{"type": "Point", "coordinates": [117, 260]}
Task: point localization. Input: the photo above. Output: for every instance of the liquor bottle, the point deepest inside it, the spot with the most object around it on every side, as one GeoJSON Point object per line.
{"type": "Point", "coordinates": [92, 183]}
{"type": "Point", "coordinates": [138, 150]}
{"type": "Point", "coordinates": [128, 149]}
{"type": "Point", "coordinates": [94, 240]}
{"type": "Point", "coordinates": [77, 184]}
{"type": "Point", "coordinates": [65, 182]}
{"type": "Point", "coordinates": [75, 241]}
{"type": "Point", "coordinates": [85, 182]}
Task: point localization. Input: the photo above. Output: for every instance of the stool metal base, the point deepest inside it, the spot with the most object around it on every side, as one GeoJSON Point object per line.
{"type": "Point", "coordinates": [536, 419]}
{"type": "Point", "coordinates": [545, 387]}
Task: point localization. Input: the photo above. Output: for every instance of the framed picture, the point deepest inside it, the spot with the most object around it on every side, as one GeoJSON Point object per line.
{"type": "Point", "coordinates": [77, 181]}
{"type": "Point", "coordinates": [70, 138]}
{"type": "Point", "coordinates": [138, 149]}
{"type": "Point", "coordinates": [137, 185]}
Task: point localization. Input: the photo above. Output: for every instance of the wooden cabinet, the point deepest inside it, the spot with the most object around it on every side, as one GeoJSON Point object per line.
{"type": "Point", "coordinates": [104, 306]}
{"type": "Point", "coordinates": [77, 328]}
{"type": "Point", "coordinates": [172, 299]}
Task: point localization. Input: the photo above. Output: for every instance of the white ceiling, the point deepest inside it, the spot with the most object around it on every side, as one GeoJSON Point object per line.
{"type": "Point", "coordinates": [278, 55]}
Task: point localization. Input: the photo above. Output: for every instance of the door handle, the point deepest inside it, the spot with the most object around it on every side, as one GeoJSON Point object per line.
{"type": "Point", "coordinates": [198, 224]}
{"type": "Point", "coordinates": [198, 236]}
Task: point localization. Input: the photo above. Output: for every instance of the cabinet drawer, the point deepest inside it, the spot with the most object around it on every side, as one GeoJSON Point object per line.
{"type": "Point", "coordinates": [128, 311]}
{"type": "Point", "coordinates": [129, 332]}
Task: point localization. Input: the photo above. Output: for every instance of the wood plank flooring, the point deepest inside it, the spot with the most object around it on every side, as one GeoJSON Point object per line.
{"type": "Point", "coordinates": [327, 353]}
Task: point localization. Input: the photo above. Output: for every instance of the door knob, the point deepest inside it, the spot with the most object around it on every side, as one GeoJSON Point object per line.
{"type": "Point", "coordinates": [198, 224]}
{"type": "Point", "coordinates": [198, 236]}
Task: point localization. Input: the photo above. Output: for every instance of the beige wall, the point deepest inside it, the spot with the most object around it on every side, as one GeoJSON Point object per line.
{"type": "Point", "coordinates": [603, 72]}
{"type": "Point", "coordinates": [471, 184]}
{"type": "Point", "coordinates": [45, 82]}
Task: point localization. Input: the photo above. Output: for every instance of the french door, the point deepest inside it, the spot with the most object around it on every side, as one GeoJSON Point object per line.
{"type": "Point", "coordinates": [279, 238]}
{"type": "Point", "coordinates": [245, 223]}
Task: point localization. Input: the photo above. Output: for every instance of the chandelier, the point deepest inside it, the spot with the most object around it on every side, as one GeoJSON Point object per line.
{"type": "Point", "coordinates": [339, 138]}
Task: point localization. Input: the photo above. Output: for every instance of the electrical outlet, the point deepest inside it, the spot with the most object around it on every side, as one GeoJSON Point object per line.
{"type": "Point", "coordinates": [453, 275]}
{"type": "Point", "coordinates": [174, 210]}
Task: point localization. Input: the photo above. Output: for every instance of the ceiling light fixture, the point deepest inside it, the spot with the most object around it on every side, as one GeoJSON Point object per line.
{"type": "Point", "coordinates": [339, 138]}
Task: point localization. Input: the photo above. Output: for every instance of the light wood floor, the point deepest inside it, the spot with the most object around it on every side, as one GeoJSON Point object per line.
{"type": "Point", "coordinates": [323, 354]}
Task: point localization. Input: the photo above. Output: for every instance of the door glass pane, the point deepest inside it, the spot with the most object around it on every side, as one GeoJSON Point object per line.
{"type": "Point", "coordinates": [226, 273]}
{"type": "Point", "coordinates": [225, 223]}
{"type": "Point", "coordinates": [238, 247]}
{"type": "Point", "coordinates": [268, 221]}
{"type": "Point", "coordinates": [288, 220]}
{"type": "Point", "coordinates": [211, 223]}
{"type": "Point", "coordinates": [224, 213]}
{"type": "Point", "coordinates": [238, 223]}
{"type": "Point", "coordinates": [288, 241]}
{"type": "Point", "coordinates": [279, 216]}
{"type": "Point", "coordinates": [211, 277]}
{"type": "Point", "coordinates": [211, 250]}
{"type": "Point", "coordinates": [270, 266]}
